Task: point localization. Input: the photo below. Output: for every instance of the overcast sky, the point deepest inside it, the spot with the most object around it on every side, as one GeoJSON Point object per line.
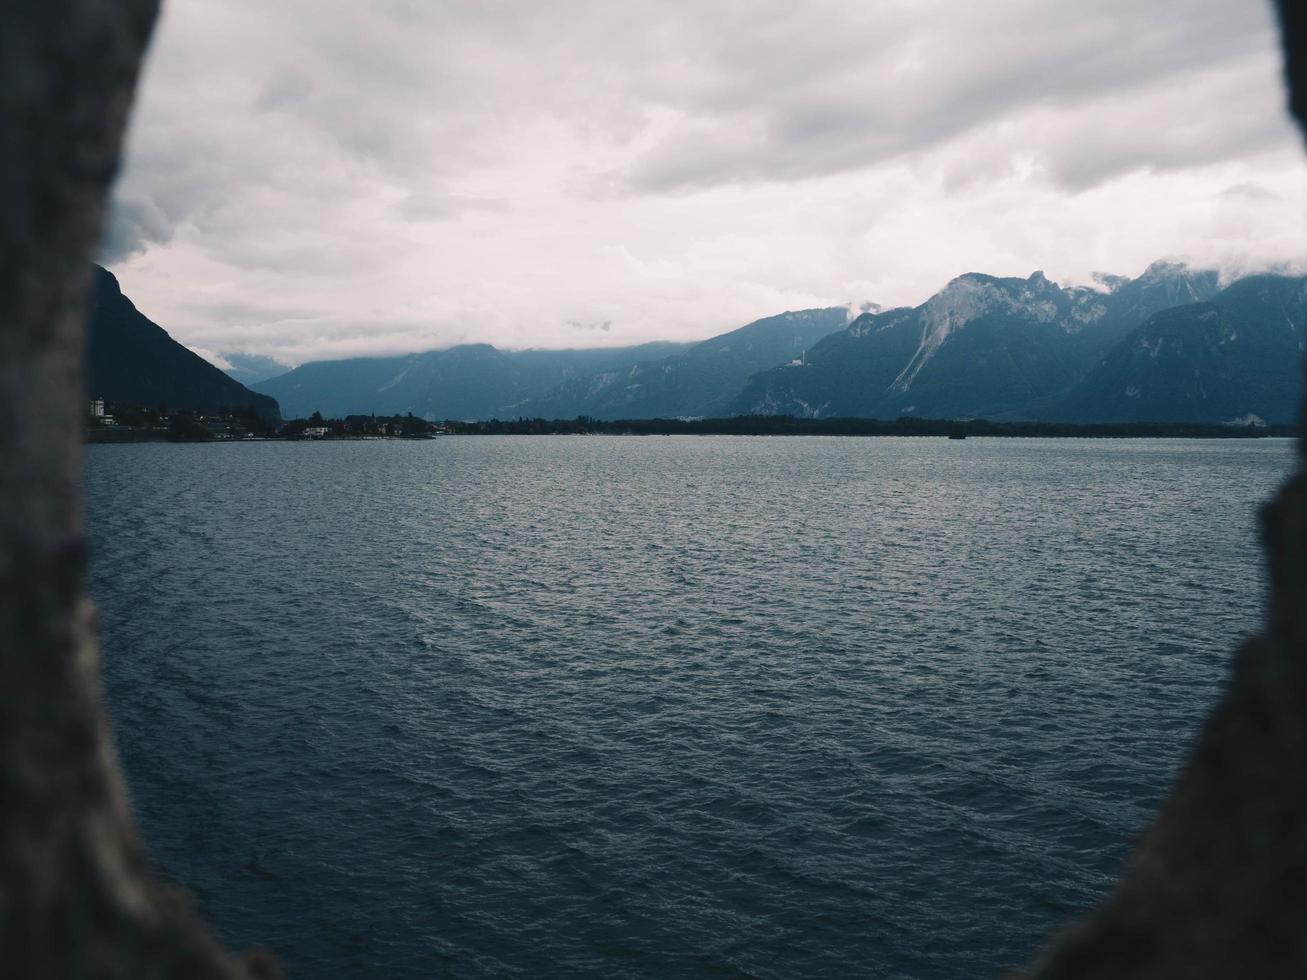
{"type": "Point", "coordinates": [312, 179]}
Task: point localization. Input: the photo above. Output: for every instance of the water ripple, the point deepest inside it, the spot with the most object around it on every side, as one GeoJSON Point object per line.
{"type": "Point", "coordinates": [663, 707]}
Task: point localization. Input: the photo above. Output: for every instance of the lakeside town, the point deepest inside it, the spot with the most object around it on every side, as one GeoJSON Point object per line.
{"type": "Point", "coordinates": [122, 422]}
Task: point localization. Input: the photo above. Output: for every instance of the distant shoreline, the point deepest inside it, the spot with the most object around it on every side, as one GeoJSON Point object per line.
{"type": "Point", "coordinates": [770, 426]}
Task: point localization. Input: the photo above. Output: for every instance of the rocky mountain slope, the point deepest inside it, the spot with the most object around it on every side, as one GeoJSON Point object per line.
{"type": "Point", "coordinates": [471, 381]}
{"type": "Point", "coordinates": [1232, 359]}
{"type": "Point", "coordinates": [1170, 345]}
{"type": "Point", "coordinates": [251, 368]}
{"type": "Point", "coordinates": [983, 346]}
{"type": "Point", "coordinates": [701, 381]}
{"type": "Point", "coordinates": [131, 359]}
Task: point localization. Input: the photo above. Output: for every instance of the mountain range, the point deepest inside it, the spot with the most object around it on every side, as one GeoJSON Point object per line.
{"type": "Point", "coordinates": [982, 347]}
{"type": "Point", "coordinates": [700, 381]}
{"type": "Point", "coordinates": [1233, 357]}
{"type": "Point", "coordinates": [248, 368]}
{"type": "Point", "coordinates": [1174, 344]}
{"type": "Point", "coordinates": [131, 359]}
{"type": "Point", "coordinates": [471, 381]}
{"type": "Point", "coordinates": [479, 381]}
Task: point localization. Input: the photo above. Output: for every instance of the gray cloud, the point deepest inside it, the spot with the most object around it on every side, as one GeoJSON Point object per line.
{"type": "Point", "coordinates": [603, 326]}
{"type": "Point", "coordinates": [921, 84]}
{"type": "Point", "coordinates": [402, 174]}
{"type": "Point", "coordinates": [1249, 191]}
{"type": "Point", "coordinates": [243, 311]}
{"type": "Point", "coordinates": [434, 206]}
{"type": "Point", "coordinates": [286, 86]}
{"type": "Point", "coordinates": [133, 226]}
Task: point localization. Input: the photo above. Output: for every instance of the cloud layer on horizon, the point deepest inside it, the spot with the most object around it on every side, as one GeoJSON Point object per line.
{"type": "Point", "coordinates": [311, 181]}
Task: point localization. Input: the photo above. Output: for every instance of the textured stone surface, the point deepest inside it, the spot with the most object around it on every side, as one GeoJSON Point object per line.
{"type": "Point", "coordinates": [76, 896]}
{"type": "Point", "coordinates": [1218, 885]}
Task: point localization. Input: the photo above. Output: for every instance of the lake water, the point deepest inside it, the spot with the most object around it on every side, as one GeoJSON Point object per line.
{"type": "Point", "coordinates": [700, 707]}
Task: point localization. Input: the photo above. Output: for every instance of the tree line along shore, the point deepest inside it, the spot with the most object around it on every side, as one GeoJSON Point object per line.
{"type": "Point", "coordinates": [116, 423]}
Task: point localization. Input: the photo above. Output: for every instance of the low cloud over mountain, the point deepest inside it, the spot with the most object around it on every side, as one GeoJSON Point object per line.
{"type": "Point", "coordinates": [413, 176]}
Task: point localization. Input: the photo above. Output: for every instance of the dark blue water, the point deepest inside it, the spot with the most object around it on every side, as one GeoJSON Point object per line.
{"type": "Point", "coordinates": [666, 706]}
